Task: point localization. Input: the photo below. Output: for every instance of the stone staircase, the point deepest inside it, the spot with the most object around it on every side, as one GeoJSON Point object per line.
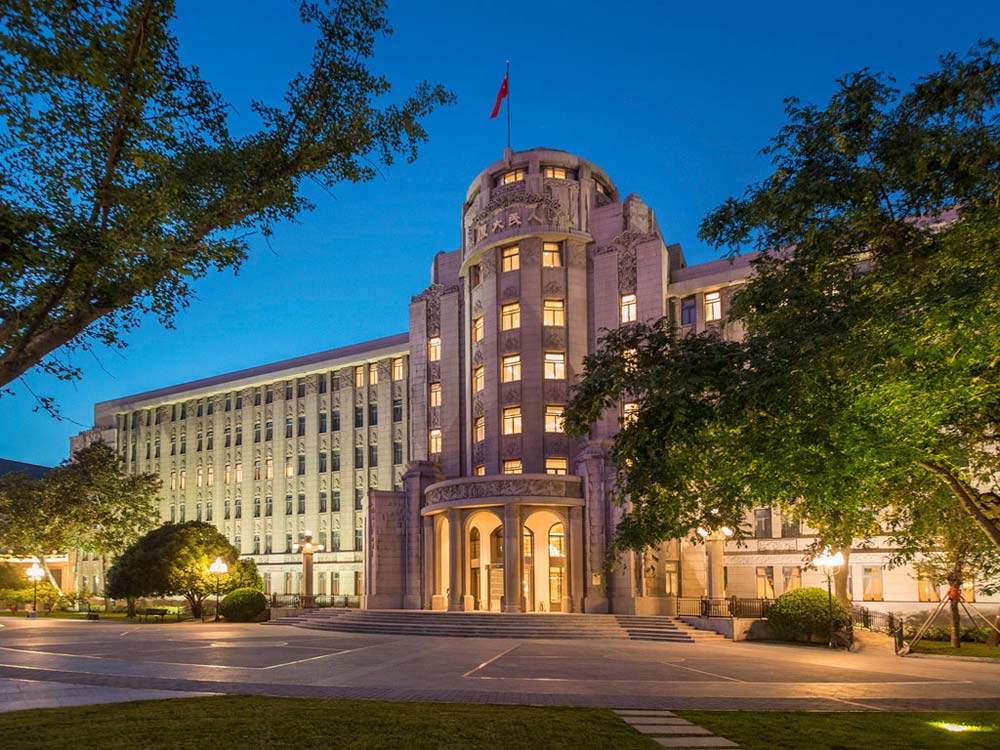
{"type": "Point", "coordinates": [496, 625]}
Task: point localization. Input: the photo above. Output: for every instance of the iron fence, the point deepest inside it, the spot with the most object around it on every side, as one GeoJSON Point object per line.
{"type": "Point", "coordinates": [715, 607]}
{"type": "Point", "coordinates": [754, 608]}
{"type": "Point", "coordinates": [300, 601]}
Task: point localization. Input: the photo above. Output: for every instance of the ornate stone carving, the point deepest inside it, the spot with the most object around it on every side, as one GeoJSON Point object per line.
{"type": "Point", "coordinates": [511, 393]}
{"type": "Point", "coordinates": [477, 405]}
{"type": "Point", "coordinates": [553, 287]}
{"type": "Point", "coordinates": [435, 418]}
{"type": "Point", "coordinates": [553, 338]}
{"type": "Point", "coordinates": [477, 308]}
{"type": "Point", "coordinates": [509, 293]}
{"type": "Point", "coordinates": [626, 270]}
{"type": "Point", "coordinates": [530, 253]}
{"type": "Point", "coordinates": [488, 263]}
{"type": "Point", "coordinates": [470, 490]}
{"type": "Point", "coordinates": [626, 239]}
{"type": "Point", "coordinates": [434, 372]}
{"type": "Point", "coordinates": [432, 296]}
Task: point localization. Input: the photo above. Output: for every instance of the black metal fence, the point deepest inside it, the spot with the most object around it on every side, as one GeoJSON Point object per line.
{"type": "Point", "coordinates": [735, 607]}
{"type": "Point", "coordinates": [300, 601]}
{"type": "Point", "coordinates": [879, 622]}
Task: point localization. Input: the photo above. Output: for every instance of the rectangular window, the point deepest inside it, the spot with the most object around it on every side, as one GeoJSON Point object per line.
{"type": "Point", "coordinates": [372, 414]}
{"type": "Point", "coordinates": [210, 476]}
{"type": "Point", "coordinates": [514, 175]}
{"type": "Point", "coordinates": [269, 468]}
{"type": "Point", "coordinates": [479, 428]}
{"type": "Point", "coordinates": [269, 430]}
{"type": "Point", "coordinates": [321, 383]}
{"type": "Point", "coordinates": [256, 507]}
{"type": "Point", "coordinates": [927, 591]}
{"type": "Point", "coordinates": [238, 471]}
{"type": "Point", "coordinates": [336, 501]}
{"type": "Point", "coordinates": [227, 476]}
{"type": "Point", "coordinates": [359, 376]}
{"type": "Point", "coordinates": [357, 546]}
{"type": "Point", "coordinates": [477, 329]}
{"type": "Point", "coordinates": [397, 368]}
{"type": "Point", "coordinates": [289, 391]}
{"type": "Point", "coordinates": [322, 422]}
{"type": "Point", "coordinates": [302, 426]}
{"type": "Point", "coordinates": [688, 311]}
{"type": "Point", "coordinates": [335, 420]}
{"type": "Point", "coordinates": [288, 505]}
{"type": "Point", "coordinates": [479, 470]}
{"type": "Point", "coordinates": [183, 443]}
{"type": "Point", "coordinates": [762, 523]}
{"type": "Point", "coordinates": [373, 373]}
{"type": "Point", "coordinates": [555, 365]}
{"type": "Point", "coordinates": [512, 466]}
{"type": "Point", "coordinates": [765, 581]}
{"type": "Point", "coordinates": [435, 395]}
{"type": "Point", "coordinates": [478, 379]}
{"type": "Point", "coordinates": [434, 441]}
{"type": "Point", "coordinates": [268, 506]}
{"type": "Point", "coordinates": [359, 416]}
{"type": "Point", "coordinates": [256, 432]}
{"type": "Point", "coordinates": [556, 466]}
{"type": "Point", "coordinates": [872, 578]}
{"type": "Point", "coordinates": [322, 504]}
{"type": "Point", "coordinates": [510, 259]}
{"type": "Point", "coordinates": [790, 527]}
{"type": "Point", "coordinates": [183, 478]}
{"type": "Point", "coordinates": [359, 457]}
{"type": "Point", "coordinates": [289, 466]}
{"type": "Point", "coordinates": [434, 349]}
{"type": "Point", "coordinates": [510, 369]}
{"type": "Point", "coordinates": [335, 460]}
{"type": "Point", "coordinates": [359, 498]}
{"type": "Point", "coordinates": [209, 440]}
{"type": "Point", "coordinates": [792, 577]}
{"type": "Point", "coordinates": [289, 427]}
{"type": "Point", "coordinates": [397, 453]}
{"type": "Point", "coordinates": [510, 316]}
{"type": "Point", "coordinates": [300, 389]}
{"type": "Point", "coordinates": [199, 440]}
{"type": "Point", "coordinates": [474, 276]}
{"type": "Point", "coordinates": [397, 410]}
{"type": "Point", "coordinates": [552, 255]}
{"type": "Point", "coordinates": [239, 434]}
{"type": "Point", "coordinates": [559, 173]}
{"type": "Point", "coordinates": [554, 415]}
{"type": "Point", "coordinates": [269, 395]}
{"type": "Point", "coordinates": [512, 420]}
{"type": "Point", "coordinates": [322, 462]}
{"type": "Point", "coordinates": [238, 508]}
{"type": "Point", "coordinates": [713, 306]}
{"type": "Point", "coordinates": [554, 312]}
{"type": "Point", "coordinates": [301, 504]}
{"type": "Point", "coordinates": [628, 308]}
{"type": "Point", "coordinates": [256, 397]}
{"type": "Point", "coordinates": [256, 470]}
{"type": "Point", "coordinates": [372, 456]}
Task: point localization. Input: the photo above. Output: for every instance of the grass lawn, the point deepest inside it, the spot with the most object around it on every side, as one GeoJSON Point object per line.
{"type": "Point", "coordinates": [967, 649]}
{"type": "Point", "coordinates": [247, 723]}
{"type": "Point", "coordinates": [794, 730]}
{"type": "Point", "coordinates": [59, 615]}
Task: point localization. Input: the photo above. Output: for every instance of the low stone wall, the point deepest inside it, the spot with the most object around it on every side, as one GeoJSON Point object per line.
{"type": "Point", "coordinates": [736, 628]}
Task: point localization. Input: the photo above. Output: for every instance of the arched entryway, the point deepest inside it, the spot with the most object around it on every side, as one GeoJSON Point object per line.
{"type": "Point", "coordinates": [546, 566]}
{"type": "Point", "coordinates": [485, 560]}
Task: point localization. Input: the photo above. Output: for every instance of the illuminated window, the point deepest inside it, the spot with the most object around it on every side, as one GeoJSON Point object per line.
{"type": "Point", "coordinates": [479, 429]}
{"type": "Point", "coordinates": [510, 259]}
{"type": "Point", "coordinates": [599, 186]}
{"type": "Point", "coordinates": [713, 306]}
{"type": "Point", "coordinates": [478, 379]}
{"type": "Point", "coordinates": [210, 476]}
{"type": "Point", "coordinates": [434, 441]}
{"type": "Point", "coordinates": [256, 470]}
{"type": "Point", "coordinates": [435, 394]}
{"type": "Point", "coordinates": [630, 412]}
{"type": "Point", "coordinates": [554, 312]}
{"type": "Point", "coordinates": [510, 369]}
{"type": "Point", "coordinates": [373, 373]}
{"type": "Point", "coordinates": [289, 466]}
{"type": "Point", "coordinates": [514, 175]}
{"type": "Point", "coordinates": [628, 308]}
{"type": "Point", "coordinates": [238, 471]}
{"type": "Point", "coordinates": [397, 368]}
{"type": "Point", "coordinates": [359, 376]}
{"type": "Point", "coordinates": [269, 468]}
{"type": "Point", "coordinates": [479, 471]}
{"type": "Point", "coordinates": [765, 582]}
{"type": "Point", "coordinates": [554, 415]}
{"type": "Point", "coordinates": [199, 477]}
{"type": "Point", "coordinates": [434, 349]}
{"type": "Point", "coordinates": [512, 420]}
{"type": "Point", "coordinates": [555, 365]}
{"type": "Point", "coordinates": [510, 316]}
{"type": "Point", "coordinates": [559, 173]}
{"type": "Point", "coordinates": [475, 276]}
{"type": "Point", "coordinates": [557, 466]}
{"type": "Point", "coordinates": [688, 311]}
{"type": "Point", "coordinates": [173, 480]}
{"type": "Point", "coordinates": [872, 578]}
{"type": "Point", "coordinates": [552, 255]}
{"type": "Point", "coordinates": [183, 478]}
{"type": "Point", "coordinates": [792, 576]}
{"type": "Point", "coordinates": [927, 591]}
{"type": "Point", "coordinates": [512, 466]}
{"type": "Point", "coordinates": [477, 329]}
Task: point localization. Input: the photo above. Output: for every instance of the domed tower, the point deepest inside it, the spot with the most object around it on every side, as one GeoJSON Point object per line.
{"type": "Point", "coordinates": [512, 515]}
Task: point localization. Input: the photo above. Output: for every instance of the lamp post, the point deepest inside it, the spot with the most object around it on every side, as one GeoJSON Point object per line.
{"type": "Point", "coordinates": [307, 548]}
{"type": "Point", "coordinates": [829, 563]}
{"type": "Point", "coordinates": [35, 573]}
{"type": "Point", "coordinates": [218, 569]}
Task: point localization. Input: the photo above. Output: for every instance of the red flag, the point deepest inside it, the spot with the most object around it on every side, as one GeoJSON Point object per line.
{"type": "Point", "coordinates": [501, 94]}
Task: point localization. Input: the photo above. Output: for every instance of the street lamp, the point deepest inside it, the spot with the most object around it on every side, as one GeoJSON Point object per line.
{"type": "Point", "coordinates": [307, 548]}
{"type": "Point", "coordinates": [829, 563]}
{"type": "Point", "coordinates": [35, 574]}
{"type": "Point", "coordinates": [218, 569]}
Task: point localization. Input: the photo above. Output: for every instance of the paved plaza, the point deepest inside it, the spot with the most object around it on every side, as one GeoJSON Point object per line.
{"type": "Point", "coordinates": [58, 662]}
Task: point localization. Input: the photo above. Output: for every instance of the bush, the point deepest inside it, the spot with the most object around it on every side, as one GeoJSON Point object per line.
{"type": "Point", "coordinates": [804, 614]}
{"type": "Point", "coordinates": [243, 605]}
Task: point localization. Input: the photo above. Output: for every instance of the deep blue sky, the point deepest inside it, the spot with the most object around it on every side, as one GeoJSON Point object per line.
{"type": "Point", "coordinates": [674, 100]}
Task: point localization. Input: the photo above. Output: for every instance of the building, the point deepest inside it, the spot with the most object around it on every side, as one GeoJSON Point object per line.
{"type": "Point", "coordinates": [432, 466]}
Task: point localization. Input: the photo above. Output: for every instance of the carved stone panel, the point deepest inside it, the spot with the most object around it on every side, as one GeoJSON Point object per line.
{"type": "Point", "coordinates": [626, 271]}
{"type": "Point", "coordinates": [510, 393]}
{"type": "Point", "coordinates": [554, 337]}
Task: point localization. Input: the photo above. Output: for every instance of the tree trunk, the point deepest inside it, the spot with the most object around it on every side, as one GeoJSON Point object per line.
{"type": "Point", "coordinates": [993, 637]}
{"type": "Point", "coordinates": [48, 573]}
{"type": "Point", "coordinates": [131, 608]}
{"type": "Point", "coordinates": [841, 576]}
{"type": "Point", "coordinates": [984, 507]}
{"type": "Point", "coordinates": [195, 603]}
{"type": "Point", "coordinates": [956, 624]}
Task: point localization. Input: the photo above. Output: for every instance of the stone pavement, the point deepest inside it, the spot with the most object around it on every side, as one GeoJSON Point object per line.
{"type": "Point", "coordinates": [669, 730]}
{"type": "Point", "coordinates": [199, 658]}
{"type": "Point", "coordinates": [17, 695]}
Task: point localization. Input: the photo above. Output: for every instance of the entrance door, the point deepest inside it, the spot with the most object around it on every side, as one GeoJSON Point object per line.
{"type": "Point", "coordinates": [557, 567]}
{"type": "Point", "coordinates": [496, 587]}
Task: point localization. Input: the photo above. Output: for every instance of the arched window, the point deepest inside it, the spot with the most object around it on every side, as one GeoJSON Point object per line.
{"type": "Point", "coordinates": [557, 541]}
{"type": "Point", "coordinates": [496, 545]}
{"type": "Point", "coordinates": [474, 544]}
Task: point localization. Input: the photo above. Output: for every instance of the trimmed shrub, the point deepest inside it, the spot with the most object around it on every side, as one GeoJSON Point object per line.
{"type": "Point", "coordinates": [804, 614]}
{"type": "Point", "coordinates": [243, 605]}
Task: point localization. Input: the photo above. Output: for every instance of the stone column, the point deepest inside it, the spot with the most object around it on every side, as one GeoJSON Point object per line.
{"type": "Point", "coordinates": [430, 554]}
{"type": "Point", "coordinates": [456, 560]}
{"type": "Point", "coordinates": [513, 557]}
{"type": "Point", "coordinates": [715, 547]}
{"type": "Point", "coordinates": [574, 553]}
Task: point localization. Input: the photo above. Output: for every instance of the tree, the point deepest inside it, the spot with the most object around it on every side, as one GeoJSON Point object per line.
{"type": "Point", "coordinates": [870, 368]}
{"type": "Point", "coordinates": [173, 560]}
{"type": "Point", "coordinates": [243, 574]}
{"type": "Point", "coordinates": [120, 182]}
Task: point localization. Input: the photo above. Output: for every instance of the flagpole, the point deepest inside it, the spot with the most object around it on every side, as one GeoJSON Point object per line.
{"type": "Point", "coordinates": [507, 78]}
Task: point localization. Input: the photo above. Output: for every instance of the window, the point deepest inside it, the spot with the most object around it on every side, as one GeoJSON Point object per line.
{"type": "Point", "coordinates": [434, 441]}
{"type": "Point", "coordinates": [872, 578]}
{"type": "Point", "coordinates": [359, 416]}
{"type": "Point", "coordinates": [199, 477]}
{"type": "Point", "coordinates": [713, 306]}
{"type": "Point", "coordinates": [373, 373]}
{"type": "Point", "coordinates": [288, 391]}
{"type": "Point", "coordinates": [479, 470]}
{"type": "Point", "coordinates": [238, 508]}
{"type": "Point", "coordinates": [762, 523]}
{"type": "Point", "coordinates": [335, 420]}
{"type": "Point", "coordinates": [199, 440]}
{"type": "Point", "coordinates": [927, 591]}
{"type": "Point", "coordinates": [357, 545]}
{"type": "Point", "coordinates": [554, 414]}
{"type": "Point", "coordinates": [184, 411]}
{"type": "Point", "coordinates": [256, 432]}
{"type": "Point", "coordinates": [267, 544]}
{"type": "Point", "coordinates": [226, 509]}
{"type": "Point", "coordinates": [512, 420]}
{"type": "Point", "coordinates": [156, 448]}
{"type": "Point", "coordinates": [512, 466]}
{"type": "Point", "coordinates": [792, 577]}
{"type": "Point", "coordinates": [289, 467]}
{"type": "Point", "coordinates": [302, 464]}
{"type": "Point", "coordinates": [256, 507]}
{"type": "Point", "coordinates": [600, 188]}
{"type": "Point", "coordinates": [688, 311]}
{"type": "Point", "coordinates": [256, 470]}
{"type": "Point", "coordinates": [789, 526]}
{"type": "Point", "coordinates": [322, 422]}
{"type": "Point", "coordinates": [474, 276]}
{"type": "Point", "coordinates": [209, 441]}
{"type": "Point", "coordinates": [510, 368]}
{"type": "Point", "coordinates": [302, 426]}
{"type": "Point", "coordinates": [397, 368]}
{"type": "Point", "coordinates": [256, 544]}
{"type": "Point", "coordinates": [628, 308]}
{"type": "Point", "coordinates": [335, 460]}
{"type": "Point", "coordinates": [268, 506]}
{"type": "Point", "coordinates": [435, 396]}
{"type": "Point", "coordinates": [556, 466]}
{"type": "Point", "coordinates": [322, 462]}
{"type": "Point", "coordinates": [183, 443]}
{"type": "Point", "coordinates": [288, 549]}
{"type": "Point", "coordinates": [359, 376]}
{"type": "Point", "coordinates": [359, 498]}
{"type": "Point", "coordinates": [336, 501]}
{"type": "Point", "coordinates": [173, 481]}
{"type": "Point", "coordinates": [239, 434]}
{"type": "Point", "coordinates": [321, 383]}
{"type": "Point", "coordinates": [555, 365]}
{"type": "Point", "coordinates": [372, 456]}
{"type": "Point", "coordinates": [183, 478]}
{"type": "Point", "coordinates": [359, 457]}
{"type": "Point", "coordinates": [269, 430]}
{"type": "Point", "coordinates": [238, 470]}
{"type": "Point", "coordinates": [477, 329]}
{"type": "Point", "coordinates": [397, 410]}
{"type": "Point", "coordinates": [765, 581]}
{"type": "Point", "coordinates": [397, 453]}
{"type": "Point", "coordinates": [559, 173]}
{"type": "Point", "coordinates": [478, 429]}
{"type": "Point", "coordinates": [288, 427]}
{"type": "Point", "coordinates": [269, 395]}
{"type": "Point", "coordinates": [322, 504]}
{"type": "Point", "coordinates": [434, 349]}
{"type": "Point", "coordinates": [256, 397]}
{"type": "Point", "coordinates": [554, 312]}
{"type": "Point", "coordinates": [300, 389]}
{"type": "Point", "coordinates": [288, 505]}
{"type": "Point", "coordinates": [210, 476]}
{"type": "Point", "coordinates": [514, 175]}
{"type": "Point", "coordinates": [478, 379]}
{"type": "Point", "coordinates": [239, 402]}
{"type": "Point", "coordinates": [510, 316]}
{"type": "Point", "coordinates": [510, 259]}
{"type": "Point", "coordinates": [301, 503]}
{"type": "Point", "coordinates": [552, 255]}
